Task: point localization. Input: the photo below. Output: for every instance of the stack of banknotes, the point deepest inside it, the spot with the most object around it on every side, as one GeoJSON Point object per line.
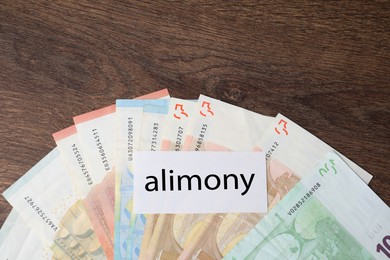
{"type": "Point", "coordinates": [76, 203]}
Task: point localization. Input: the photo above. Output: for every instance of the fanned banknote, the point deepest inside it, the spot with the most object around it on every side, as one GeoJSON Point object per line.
{"type": "Point", "coordinates": [18, 241]}
{"type": "Point", "coordinates": [217, 126]}
{"type": "Point", "coordinates": [158, 240]}
{"type": "Point", "coordinates": [291, 152]}
{"type": "Point", "coordinates": [329, 214]}
{"type": "Point", "coordinates": [128, 129]}
{"type": "Point", "coordinates": [96, 131]}
{"type": "Point", "coordinates": [55, 212]}
{"type": "Point", "coordinates": [83, 178]}
{"type": "Point", "coordinates": [153, 118]}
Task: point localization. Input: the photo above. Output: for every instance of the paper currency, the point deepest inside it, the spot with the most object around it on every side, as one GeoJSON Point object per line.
{"type": "Point", "coordinates": [84, 210]}
{"type": "Point", "coordinates": [329, 214]}
{"type": "Point", "coordinates": [218, 126]}
{"type": "Point", "coordinates": [85, 182]}
{"type": "Point", "coordinates": [55, 212]}
{"type": "Point", "coordinates": [150, 139]}
{"type": "Point", "coordinates": [96, 134]}
{"type": "Point", "coordinates": [18, 241]}
{"type": "Point", "coordinates": [158, 239]}
{"type": "Point", "coordinates": [128, 130]}
{"type": "Point", "coordinates": [291, 152]}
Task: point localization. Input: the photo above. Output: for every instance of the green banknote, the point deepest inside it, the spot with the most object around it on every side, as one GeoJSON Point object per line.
{"type": "Point", "coordinates": [330, 214]}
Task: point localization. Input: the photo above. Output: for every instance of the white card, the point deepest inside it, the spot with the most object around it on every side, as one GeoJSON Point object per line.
{"type": "Point", "coordinates": [199, 182]}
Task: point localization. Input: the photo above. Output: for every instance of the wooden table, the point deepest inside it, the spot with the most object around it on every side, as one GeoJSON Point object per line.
{"type": "Point", "coordinates": [325, 65]}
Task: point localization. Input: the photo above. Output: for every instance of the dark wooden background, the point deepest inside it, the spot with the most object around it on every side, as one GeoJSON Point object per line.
{"type": "Point", "coordinates": [323, 64]}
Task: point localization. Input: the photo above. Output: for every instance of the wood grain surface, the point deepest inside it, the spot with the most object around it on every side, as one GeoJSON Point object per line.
{"type": "Point", "coordinates": [323, 64]}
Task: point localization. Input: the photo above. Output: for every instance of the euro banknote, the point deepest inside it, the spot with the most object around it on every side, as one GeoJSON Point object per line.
{"type": "Point", "coordinates": [330, 214]}
{"type": "Point", "coordinates": [153, 118]}
{"type": "Point", "coordinates": [84, 180]}
{"type": "Point", "coordinates": [128, 130]}
{"type": "Point", "coordinates": [158, 240]}
{"type": "Point", "coordinates": [95, 130]}
{"type": "Point", "coordinates": [217, 126]}
{"type": "Point", "coordinates": [291, 152]}
{"type": "Point", "coordinates": [56, 212]}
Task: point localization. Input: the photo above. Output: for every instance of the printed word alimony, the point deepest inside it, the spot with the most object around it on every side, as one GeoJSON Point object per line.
{"type": "Point", "coordinates": [189, 182]}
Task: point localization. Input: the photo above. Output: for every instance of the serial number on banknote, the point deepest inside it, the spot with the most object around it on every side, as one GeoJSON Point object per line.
{"type": "Point", "coordinates": [130, 138]}
{"type": "Point", "coordinates": [81, 163]}
{"type": "Point", "coordinates": [179, 138]}
{"type": "Point", "coordinates": [40, 213]}
{"type": "Point", "coordinates": [200, 140]}
{"type": "Point", "coordinates": [271, 150]}
{"type": "Point", "coordinates": [153, 145]}
{"type": "Point", "coordinates": [304, 198]}
{"type": "Point", "coordinates": [101, 150]}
